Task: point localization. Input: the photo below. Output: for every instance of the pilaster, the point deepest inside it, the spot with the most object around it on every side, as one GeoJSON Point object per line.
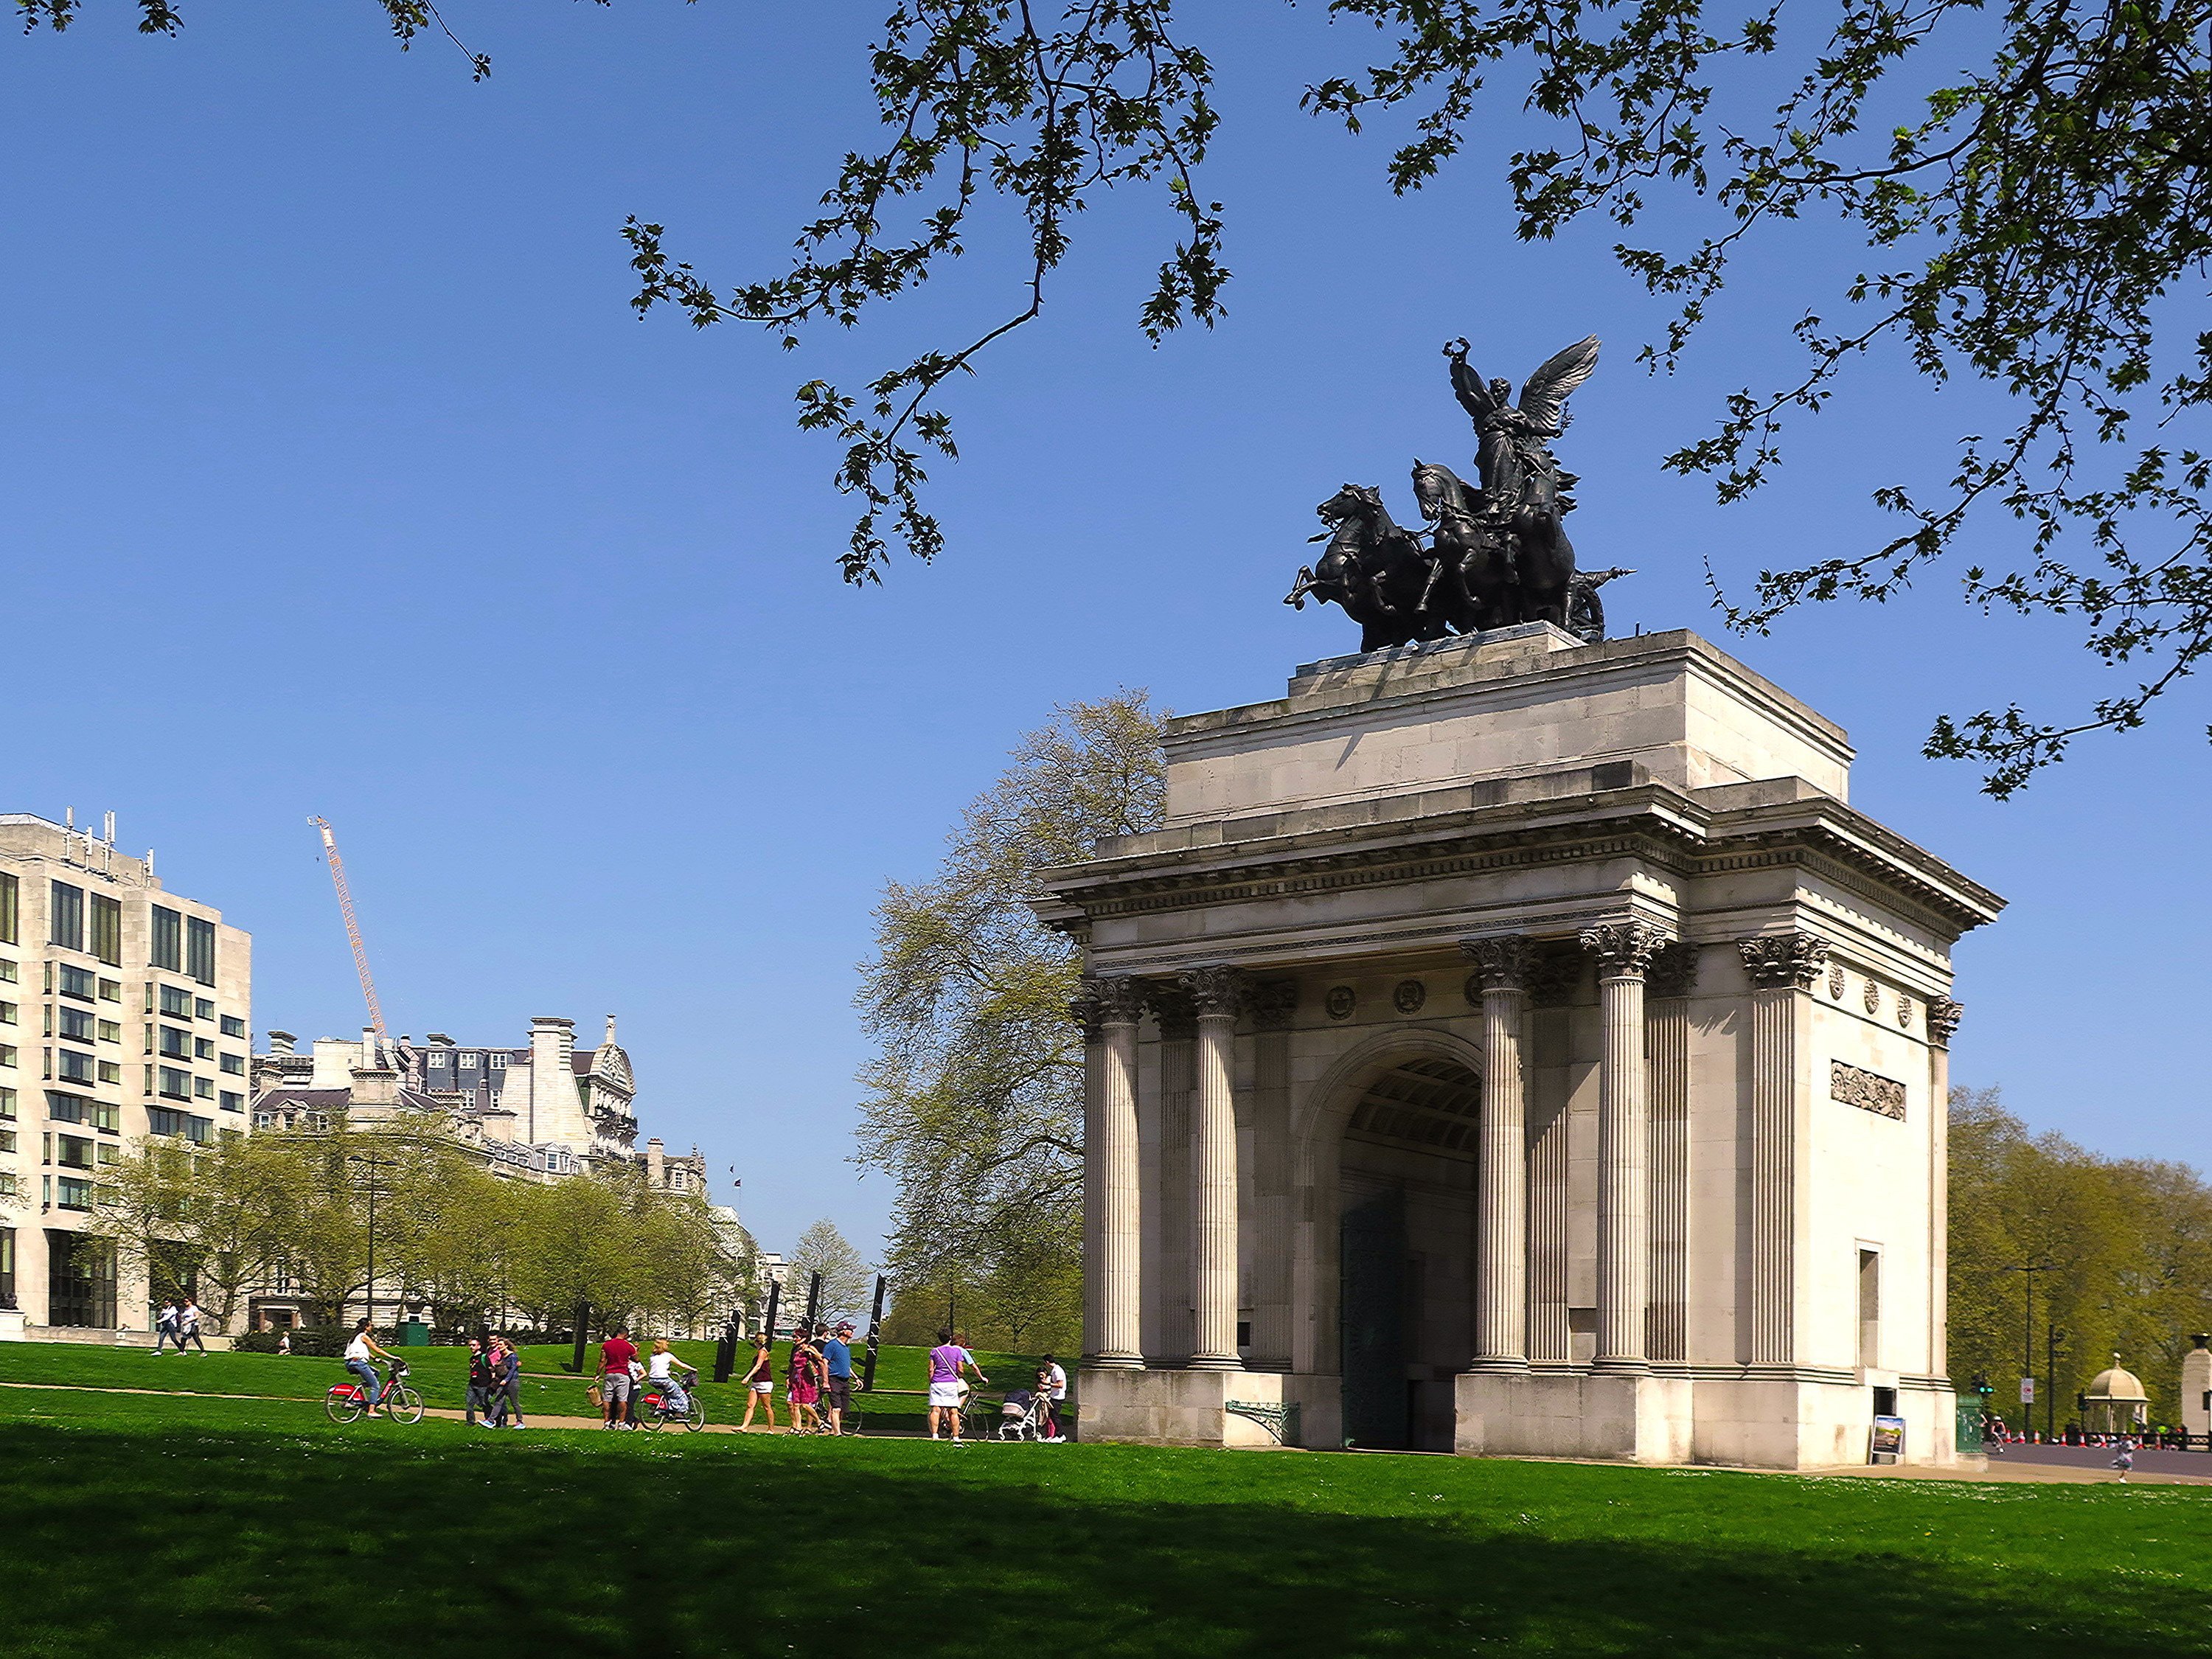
{"type": "Point", "coordinates": [1782, 968]}
{"type": "Point", "coordinates": [1623, 951]}
{"type": "Point", "coordinates": [1218, 995]}
{"type": "Point", "coordinates": [1501, 1268]}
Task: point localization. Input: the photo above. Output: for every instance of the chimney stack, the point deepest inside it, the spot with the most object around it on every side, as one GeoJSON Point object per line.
{"type": "Point", "coordinates": [280, 1042]}
{"type": "Point", "coordinates": [656, 1164]}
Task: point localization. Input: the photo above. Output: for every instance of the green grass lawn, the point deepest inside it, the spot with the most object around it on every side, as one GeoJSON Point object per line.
{"type": "Point", "coordinates": [182, 1525]}
{"type": "Point", "coordinates": [441, 1375]}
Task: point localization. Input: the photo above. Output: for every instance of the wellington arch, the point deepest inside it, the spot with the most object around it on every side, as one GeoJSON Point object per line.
{"type": "Point", "coordinates": [1518, 1045]}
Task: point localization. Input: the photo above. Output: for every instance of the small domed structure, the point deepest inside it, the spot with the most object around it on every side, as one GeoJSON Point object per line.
{"type": "Point", "coordinates": [2117, 1396]}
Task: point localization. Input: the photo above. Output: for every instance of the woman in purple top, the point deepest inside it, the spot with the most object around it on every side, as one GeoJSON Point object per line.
{"type": "Point", "coordinates": [946, 1361]}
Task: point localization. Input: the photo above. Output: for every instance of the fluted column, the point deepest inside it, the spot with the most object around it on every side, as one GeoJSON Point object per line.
{"type": "Point", "coordinates": [1783, 967]}
{"type": "Point", "coordinates": [1667, 986]}
{"type": "Point", "coordinates": [1218, 994]}
{"type": "Point", "coordinates": [1108, 1010]}
{"type": "Point", "coordinates": [1623, 950]}
{"type": "Point", "coordinates": [1943, 1017]}
{"type": "Point", "coordinates": [1501, 1184]}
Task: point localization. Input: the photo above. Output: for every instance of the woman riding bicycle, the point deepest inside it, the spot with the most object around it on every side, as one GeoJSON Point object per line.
{"type": "Point", "coordinates": [661, 1371]}
{"type": "Point", "coordinates": [358, 1361]}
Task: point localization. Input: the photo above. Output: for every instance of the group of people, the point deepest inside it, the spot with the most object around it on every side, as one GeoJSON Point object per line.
{"type": "Point", "coordinates": [623, 1375]}
{"type": "Point", "coordinates": [495, 1384]}
{"type": "Point", "coordinates": [818, 1379]}
{"type": "Point", "coordinates": [177, 1324]}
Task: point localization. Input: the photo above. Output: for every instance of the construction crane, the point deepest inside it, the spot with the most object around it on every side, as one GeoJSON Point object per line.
{"type": "Point", "coordinates": [353, 935]}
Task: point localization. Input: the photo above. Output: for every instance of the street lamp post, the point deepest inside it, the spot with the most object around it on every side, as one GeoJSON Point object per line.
{"type": "Point", "coordinates": [2028, 1271]}
{"type": "Point", "coordinates": [372, 1164]}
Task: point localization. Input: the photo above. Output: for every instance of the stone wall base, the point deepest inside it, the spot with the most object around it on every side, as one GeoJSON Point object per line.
{"type": "Point", "coordinates": [1744, 1421]}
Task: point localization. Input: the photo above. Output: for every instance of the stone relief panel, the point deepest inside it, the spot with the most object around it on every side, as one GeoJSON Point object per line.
{"type": "Point", "coordinates": [1867, 1090]}
{"type": "Point", "coordinates": [1409, 996]}
{"type": "Point", "coordinates": [1340, 1001]}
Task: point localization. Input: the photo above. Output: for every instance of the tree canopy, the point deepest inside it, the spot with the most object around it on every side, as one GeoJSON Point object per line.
{"type": "Point", "coordinates": [2029, 181]}
{"type": "Point", "coordinates": [974, 1105]}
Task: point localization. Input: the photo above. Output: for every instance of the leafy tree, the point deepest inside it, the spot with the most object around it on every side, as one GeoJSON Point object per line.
{"type": "Point", "coordinates": [847, 1282]}
{"type": "Point", "coordinates": [974, 1105]}
{"type": "Point", "coordinates": [2029, 181]}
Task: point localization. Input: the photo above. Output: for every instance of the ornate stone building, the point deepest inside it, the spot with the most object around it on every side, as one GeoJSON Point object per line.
{"type": "Point", "coordinates": [1518, 1046]}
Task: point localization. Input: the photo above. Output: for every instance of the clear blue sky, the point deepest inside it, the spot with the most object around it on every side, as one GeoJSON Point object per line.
{"type": "Point", "coordinates": [339, 479]}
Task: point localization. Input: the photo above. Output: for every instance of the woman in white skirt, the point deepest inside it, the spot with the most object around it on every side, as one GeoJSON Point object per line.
{"type": "Point", "coordinates": [760, 1383]}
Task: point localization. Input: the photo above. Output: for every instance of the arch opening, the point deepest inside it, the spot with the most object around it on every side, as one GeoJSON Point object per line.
{"type": "Point", "coordinates": [1407, 1178]}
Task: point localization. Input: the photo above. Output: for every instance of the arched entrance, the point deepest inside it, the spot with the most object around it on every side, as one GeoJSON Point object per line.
{"type": "Point", "coordinates": [1405, 1182]}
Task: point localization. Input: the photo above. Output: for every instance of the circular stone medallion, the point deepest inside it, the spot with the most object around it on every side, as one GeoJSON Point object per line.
{"type": "Point", "coordinates": [1836, 981]}
{"type": "Point", "coordinates": [1904, 1010]}
{"type": "Point", "coordinates": [1410, 996]}
{"type": "Point", "coordinates": [1873, 996]}
{"type": "Point", "coordinates": [1339, 1001]}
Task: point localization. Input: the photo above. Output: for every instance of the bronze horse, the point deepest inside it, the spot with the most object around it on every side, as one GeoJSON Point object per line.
{"type": "Point", "coordinates": [1374, 569]}
{"type": "Point", "coordinates": [1475, 554]}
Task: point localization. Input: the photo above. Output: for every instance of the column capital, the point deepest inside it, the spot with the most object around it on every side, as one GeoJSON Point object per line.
{"type": "Point", "coordinates": [1673, 970]}
{"type": "Point", "coordinates": [1103, 999]}
{"type": "Point", "coordinates": [1274, 1002]}
{"type": "Point", "coordinates": [1173, 1009]}
{"type": "Point", "coordinates": [1943, 1017]}
{"type": "Point", "coordinates": [1783, 962]}
{"type": "Point", "coordinates": [1216, 990]}
{"type": "Point", "coordinates": [1503, 963]}
{"type": "Point", "coordinates": [1623, 949]}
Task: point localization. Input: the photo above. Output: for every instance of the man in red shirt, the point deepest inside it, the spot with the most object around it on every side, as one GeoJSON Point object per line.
{"type": "Point", "coordinates": [617, 1355]}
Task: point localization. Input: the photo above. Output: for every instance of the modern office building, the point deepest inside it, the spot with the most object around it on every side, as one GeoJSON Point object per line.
{"type": "Point", "coordinates": [125, 1011]}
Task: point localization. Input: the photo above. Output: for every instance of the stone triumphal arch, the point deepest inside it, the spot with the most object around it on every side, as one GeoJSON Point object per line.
{"type": "Point", "coordinates": [1518, 1045]}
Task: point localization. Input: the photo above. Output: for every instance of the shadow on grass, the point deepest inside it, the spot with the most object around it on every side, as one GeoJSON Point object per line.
{"type": "Point", "coordinates": [263, 1540]}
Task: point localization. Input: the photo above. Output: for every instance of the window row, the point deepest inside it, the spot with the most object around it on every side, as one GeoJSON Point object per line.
{"type": "Point", "coordinates": [77, 920]}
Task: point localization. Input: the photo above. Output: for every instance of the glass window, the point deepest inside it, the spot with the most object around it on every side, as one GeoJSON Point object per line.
{"type": "Point", "coordinates": [8, 1056]}
{"type": "Point", "coordinates": [10, 917]}
{"type": "Point", "coordinates": [499, 1062]}
{"type": "Point", "coordinates": [77, 982]}
{"type": "Point", "coordinates": [102, 1115]}
{"type": "Point", "coordinates": [161, 1121]}
{"type": "Point", "coordinates": [9, 1013]}
{"type": "Point", "coordinates": [201, 1129]}
{"type": "Point", "coordinates": [7, 1141]}
{"type": "Point", "coordinates": [232, 1026]}
{"type": "Point", "coordinates": [199, 952]}
{"type": "Point", "coordinates": [7, 1102]}
{"type": "Point", "coordinates": [177, 1045]}
{"type": "Point", "coordinates": [108, 1152]}
{"type": "Point", "coordinates": [8, 1259]}
{"type": "Point", "coordinates": [7, 970]}
{"type": "Point", "coordinates": [75, 1068]}
{"type": "Point", "coordinates": [65, 916]}
{"type": "Point", "coordinates": [107, 929]}
{"type": "Point", "coordinates": [76, 1024]}
{"type": "Point", "coordinates": [72, 1193]}
{"type": "Point", "coordinates": [109, 1031]}
{"type": "Point", "coordinates": [111, 990]}
{"type": "Point", "coordinates": [176, 1084]}
{"type": "Point", "coordinates": [75, 1151]}
{"type": "Point", "coordinates": [437, 1062]}
{"type": "Point", "coordinates": [203, 1088]}
{"type": "Point", "coordinates": [232, 1101]}
{"type": "Point", "coordinates": [202, 1048]}
{"type": "Point", "coordinates": [176, 1004]}
{"type": "Point", "coordinates": [110, 1072]}
{"type": "Point", "coordinates": [168, 950]}
{"type": "Point", "coordinates": [202, 1009]}
{"type": "Point", "coordinates": [235, 1064]}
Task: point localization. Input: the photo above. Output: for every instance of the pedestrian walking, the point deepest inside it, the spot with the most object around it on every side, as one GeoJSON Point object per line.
{"type": "Point", "coordinates": [506, 1385]}
{"type": "Point", "coordinates": [1052, 1382]}
{"type": "Point", "coordinates": [480, 1385]}
{"type": "Point", "coordinates": [837, 1361]}
{"type": "Point", "coordinates": [165, 1326]}
{"type": "Point", "coordinates": [947, 1360]}
{"type": "Point", "coordinates": [759, 1382]}
{"type": "Point", "coordinates": [803, 1376]}
{"type": "Point", "coordinates": [616, 1354]}
{"type": "Point", "coordinates": [2125, 1458]}
{"type": "Point", "coordinates": [188, 1328]}
{"type": "Point", "coordinates": [284, 1344]}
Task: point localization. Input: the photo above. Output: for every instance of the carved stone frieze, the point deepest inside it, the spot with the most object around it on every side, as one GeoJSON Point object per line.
{"type": "Point", "coordinates": [1905, 1011]}
{"type": "Point", "coordinates": [1554, 976]}
{"type": "Point", "coordinates": [1409, 996]}
{"type": "Point", "coordinates": [1623, 948]}
{"type": "Point", "coordinates": [1835, 982]}
{"type": "Point", "coordinates": [1782, 961]}
{"type": "Point", "coordinates": [1867, 1090]}
{"type": "Point", "coordinates": [1673, 970]}
{"type": "Point", "coordinates": [1873, 998]}
{"type": "Point", "coordinates": [1502, 963]}
{"type": "Point", "coordinates": [1943, 1017]}
{"type": "Point", "coordinates": [1340, 1001]}
{"type": "Point", "coordinates": [1274, 1002]}
{"type": "Point", "coordinates": [1217, 992]}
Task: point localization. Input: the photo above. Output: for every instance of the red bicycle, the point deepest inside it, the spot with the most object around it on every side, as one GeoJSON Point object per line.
{"type": "Point", "coordinates": [655, 1412]}
{"type": "Point", "coordinates": [348, 1402]}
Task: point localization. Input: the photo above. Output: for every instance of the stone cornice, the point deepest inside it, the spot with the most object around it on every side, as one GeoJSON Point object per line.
{"type": "Point", "coordinates": [1664, 826]}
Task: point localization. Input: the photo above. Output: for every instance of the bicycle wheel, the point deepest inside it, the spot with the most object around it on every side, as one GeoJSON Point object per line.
{"type": "Point", "coordinates": [406, 1406]}
{"type": "Point", "coordinates": [342, 1408]}
{"type": "Point", "coordinates": [696, 1418]}
{"type": "Point", "coordinates": [656, 1418]}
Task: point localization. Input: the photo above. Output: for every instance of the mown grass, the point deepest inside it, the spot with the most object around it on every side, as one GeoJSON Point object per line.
{"type": "Point", "coordinates": [442, 1375]}
{"type": "Point", "coordinates": [176, 1525]}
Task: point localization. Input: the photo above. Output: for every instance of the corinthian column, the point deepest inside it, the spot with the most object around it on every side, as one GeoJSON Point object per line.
{"type": "Point", "coordinates": [1623, 950]}
{"type": "Point", "coordinates": [1943, 1017]}
{"type": "Point", "coordinates": [1501, 1182]}
{"type": "Point", "coordinates": [1782, 967]}
{"type": "Point", "coordinates": [1108, 1010]}
{"type": "Point", "coordinates": [1218, 994]}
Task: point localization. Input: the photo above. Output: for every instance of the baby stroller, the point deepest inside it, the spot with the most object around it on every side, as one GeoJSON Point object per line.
{"type": "Point", "coordinates": [1023, 1416]}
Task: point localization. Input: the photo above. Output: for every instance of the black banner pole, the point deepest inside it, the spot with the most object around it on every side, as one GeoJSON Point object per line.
{"type": "Point", "coordinates": [875, 1328]}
